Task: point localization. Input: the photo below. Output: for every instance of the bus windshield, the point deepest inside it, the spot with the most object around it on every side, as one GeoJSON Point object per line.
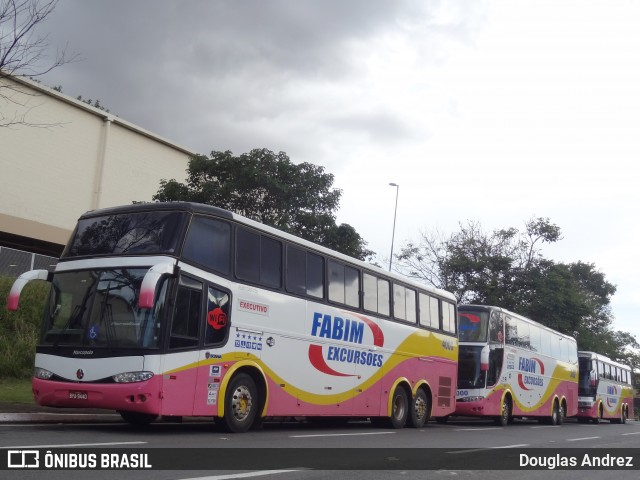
{"type": "Point", "coordinates": [470, 375]}
{"type": "Point", "coordinates": [141, 233]}
{"type": "Point", "coordinates": [472, 326]}
{"type": "Point", "coordinates": [99, 308]}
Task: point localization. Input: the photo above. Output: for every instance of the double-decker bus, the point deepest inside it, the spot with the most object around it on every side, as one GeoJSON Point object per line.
{"type": "Point", "coordinates": [180, 309]}
{"type": "Point", "coordinates": [510, 366]}
{"type": "Point", "coordinates": [604, 389]}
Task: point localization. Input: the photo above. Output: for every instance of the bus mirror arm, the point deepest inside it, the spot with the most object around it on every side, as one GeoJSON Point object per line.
{"type": "Point", "coordinates": [14, 295]}
{"type": "Point", "coordinates": [150, 282]}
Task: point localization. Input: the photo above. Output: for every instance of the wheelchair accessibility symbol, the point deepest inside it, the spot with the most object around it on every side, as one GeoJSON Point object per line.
{"type": "Point", "coordinates": [93, 332]}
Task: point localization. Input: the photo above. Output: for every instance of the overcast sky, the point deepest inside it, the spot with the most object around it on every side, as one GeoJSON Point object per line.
{"type": "Point", "coordinates": [492, 111]}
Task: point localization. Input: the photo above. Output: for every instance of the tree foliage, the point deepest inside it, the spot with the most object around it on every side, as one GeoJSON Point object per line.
{"type": "Point", "coordinates": [267, 187]}
{"type": "Point", "coordinates": [506, 268]}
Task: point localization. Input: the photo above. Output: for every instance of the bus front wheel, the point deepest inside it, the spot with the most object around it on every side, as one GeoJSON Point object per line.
{"type": "Point", "coordinates": [505, 413]}
{"type": "Point", "coordinates": [240, 404]}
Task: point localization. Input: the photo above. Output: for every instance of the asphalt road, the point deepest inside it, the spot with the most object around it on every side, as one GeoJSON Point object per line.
{"type": "Point", "coordinates": [465, 447]}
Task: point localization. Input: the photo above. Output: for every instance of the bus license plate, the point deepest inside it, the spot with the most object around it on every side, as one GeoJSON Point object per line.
{"type": "Point", "coordinates": [78, 395]}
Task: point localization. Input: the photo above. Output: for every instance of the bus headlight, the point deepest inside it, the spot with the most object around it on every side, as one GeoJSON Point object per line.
{"type": "Point", "coordinates": [42, 374]}
{"type": "Point", "coordinates": [131, 377]}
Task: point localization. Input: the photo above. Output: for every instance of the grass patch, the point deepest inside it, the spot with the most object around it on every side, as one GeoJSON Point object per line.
{"type": "Point", "coordinates": [16, 390]}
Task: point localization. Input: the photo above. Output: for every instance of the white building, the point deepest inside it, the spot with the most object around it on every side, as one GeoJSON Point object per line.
{"type": "Point", "coordinates": [63, 158]}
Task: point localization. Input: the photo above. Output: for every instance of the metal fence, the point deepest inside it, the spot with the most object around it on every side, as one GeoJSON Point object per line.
{"type": "Point", "coordinates": [15, 262]}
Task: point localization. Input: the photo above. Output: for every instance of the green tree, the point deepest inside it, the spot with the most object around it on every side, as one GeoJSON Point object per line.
{"type": "Point", "coordinates": [269, 188]}
{"type": "Point", "coordinates": [506, 268]}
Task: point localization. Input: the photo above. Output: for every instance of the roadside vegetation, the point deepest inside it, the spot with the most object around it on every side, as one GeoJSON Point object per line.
{"type": "Point", "coordinates": [19, 330]}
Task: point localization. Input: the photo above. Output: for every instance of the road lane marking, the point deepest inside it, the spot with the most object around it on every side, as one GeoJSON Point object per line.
{"type": "Point", "coordinates": [581, 439]}
{"type": "Point", "coordinates": [242, 475]}
{"type": "Point", "coordinates": [477, 429]}
{"type": "Point", "coordinates": [106, 444]}
{"type": "Point", "coordinates": [341, 434]}
{"type": "Point", "coordinates": [632, 433]}
{"type": "Point", "coordinates": [471, 450]}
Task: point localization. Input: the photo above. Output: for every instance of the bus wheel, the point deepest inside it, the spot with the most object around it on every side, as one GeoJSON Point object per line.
{"type": "Point", "coordinates": [136, 418]}
{"type": "Point", "coordinates": [555, 414]}
{"type": "Point", "coordinates": [240, 404]}
{"type": "Point", "coordinates": [420, 410]}
{"type": "Point", "coordinates": [562, 414]}
{"type": "Point", "coordinates": [598, 418]}
{"type": "Point", "coordinates": [505, 413]}
{"type": "Point", "coordinates": [623, 418]}
{"type": "Point", "coordinates": [399, 408]}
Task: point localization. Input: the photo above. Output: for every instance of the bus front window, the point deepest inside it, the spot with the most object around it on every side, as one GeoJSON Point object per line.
{"type": "Point", "coordinates": [99, 308]}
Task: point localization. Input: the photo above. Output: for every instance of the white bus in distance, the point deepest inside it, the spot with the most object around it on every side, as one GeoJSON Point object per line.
{"type": "Point", "coordinates": [605, 389]}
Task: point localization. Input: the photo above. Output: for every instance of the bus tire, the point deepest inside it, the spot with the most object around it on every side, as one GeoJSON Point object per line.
{"type": "Point", "coordinates": [240, 404]}
{"type": "Point", "coordinates": [420, 410]}
{"type": "Point", "coordinates": [555, 414]}
{"type": "Point", "coordinates": [622, 419]}
{"type": "Point", "coordinates": [505, 413]}
{"type": "Point", "coordinates": [399, 408]}
{"type": "Point", "coordinates": [136, 418]}
{"type": "Point", "coordinates": [598, 418]}
{"type": "Point", "coordinates": [562, 413]}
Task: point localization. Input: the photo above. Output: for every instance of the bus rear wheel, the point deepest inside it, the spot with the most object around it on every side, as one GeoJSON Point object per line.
{"type": "Point", "coordinates": [399, 411]}
{"type": "Point", "coordinates": [420, 410]}
{"type": "Point", "coordinates": [555, 415]}
{"type": "Point", "coordinates": [240, 404]}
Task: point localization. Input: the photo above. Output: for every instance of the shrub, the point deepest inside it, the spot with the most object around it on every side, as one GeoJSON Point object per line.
{"type": "Point", "coordinates": [19, 330]}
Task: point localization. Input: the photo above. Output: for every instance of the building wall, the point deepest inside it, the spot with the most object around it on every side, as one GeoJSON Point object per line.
{"type": "Point", "coordinates": [70, 158]}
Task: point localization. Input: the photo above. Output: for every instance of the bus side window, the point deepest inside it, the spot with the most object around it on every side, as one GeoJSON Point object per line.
{"type": "Point", "coordinates": [512, 331]}
{"type": "Point", "coordinates": [448, 317]}
{"type": "Point", "coordinates": [496, 328]}
{"type": "Point", "coordinates": [344, 284]}
{"type": "Point", "coordinates": [258, 258]}
{"type": "Point", "coordinates": [217, 326]}
{"type": "Point", "coordinates": [376, 294]}
{"type": "Point", "coordinates": [208, 244]}
{"type": "Point", "coordinates": [186, 314]}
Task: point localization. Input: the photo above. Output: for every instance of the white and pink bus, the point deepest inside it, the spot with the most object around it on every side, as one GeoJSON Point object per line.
{"type": "Point", "coordinates": [179, 309]}
{"type": "Point", "coordinates": [605, 389]}
{"type": "Point", "coordinates": [511, 366]}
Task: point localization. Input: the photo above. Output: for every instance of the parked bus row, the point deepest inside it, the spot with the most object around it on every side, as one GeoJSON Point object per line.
{"type": "Point", "coordinates": [510, 366]}
{"type": "Point", "coordinates": [180, 309]}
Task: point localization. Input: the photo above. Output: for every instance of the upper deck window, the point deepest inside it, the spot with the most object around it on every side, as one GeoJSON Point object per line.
{"type": "Point", "coordinates": [141, 233]}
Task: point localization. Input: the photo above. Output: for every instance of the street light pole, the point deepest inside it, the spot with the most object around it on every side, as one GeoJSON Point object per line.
{"type": "Point", "coordinates": [393, 233]}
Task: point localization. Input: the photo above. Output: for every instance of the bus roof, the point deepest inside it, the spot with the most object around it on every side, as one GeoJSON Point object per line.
{"type": "Point", "coordinates": [199, 208]}
{"type": "Point", "coordinates": [504, 310]}
{"type": "Point", "coordinates": [604, 358]}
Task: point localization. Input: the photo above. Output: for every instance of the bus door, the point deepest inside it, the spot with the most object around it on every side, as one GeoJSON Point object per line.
{"type": "Point", "coordinates": [211, 368]}
{"type": "Point", "coordinates": [179, 364]}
